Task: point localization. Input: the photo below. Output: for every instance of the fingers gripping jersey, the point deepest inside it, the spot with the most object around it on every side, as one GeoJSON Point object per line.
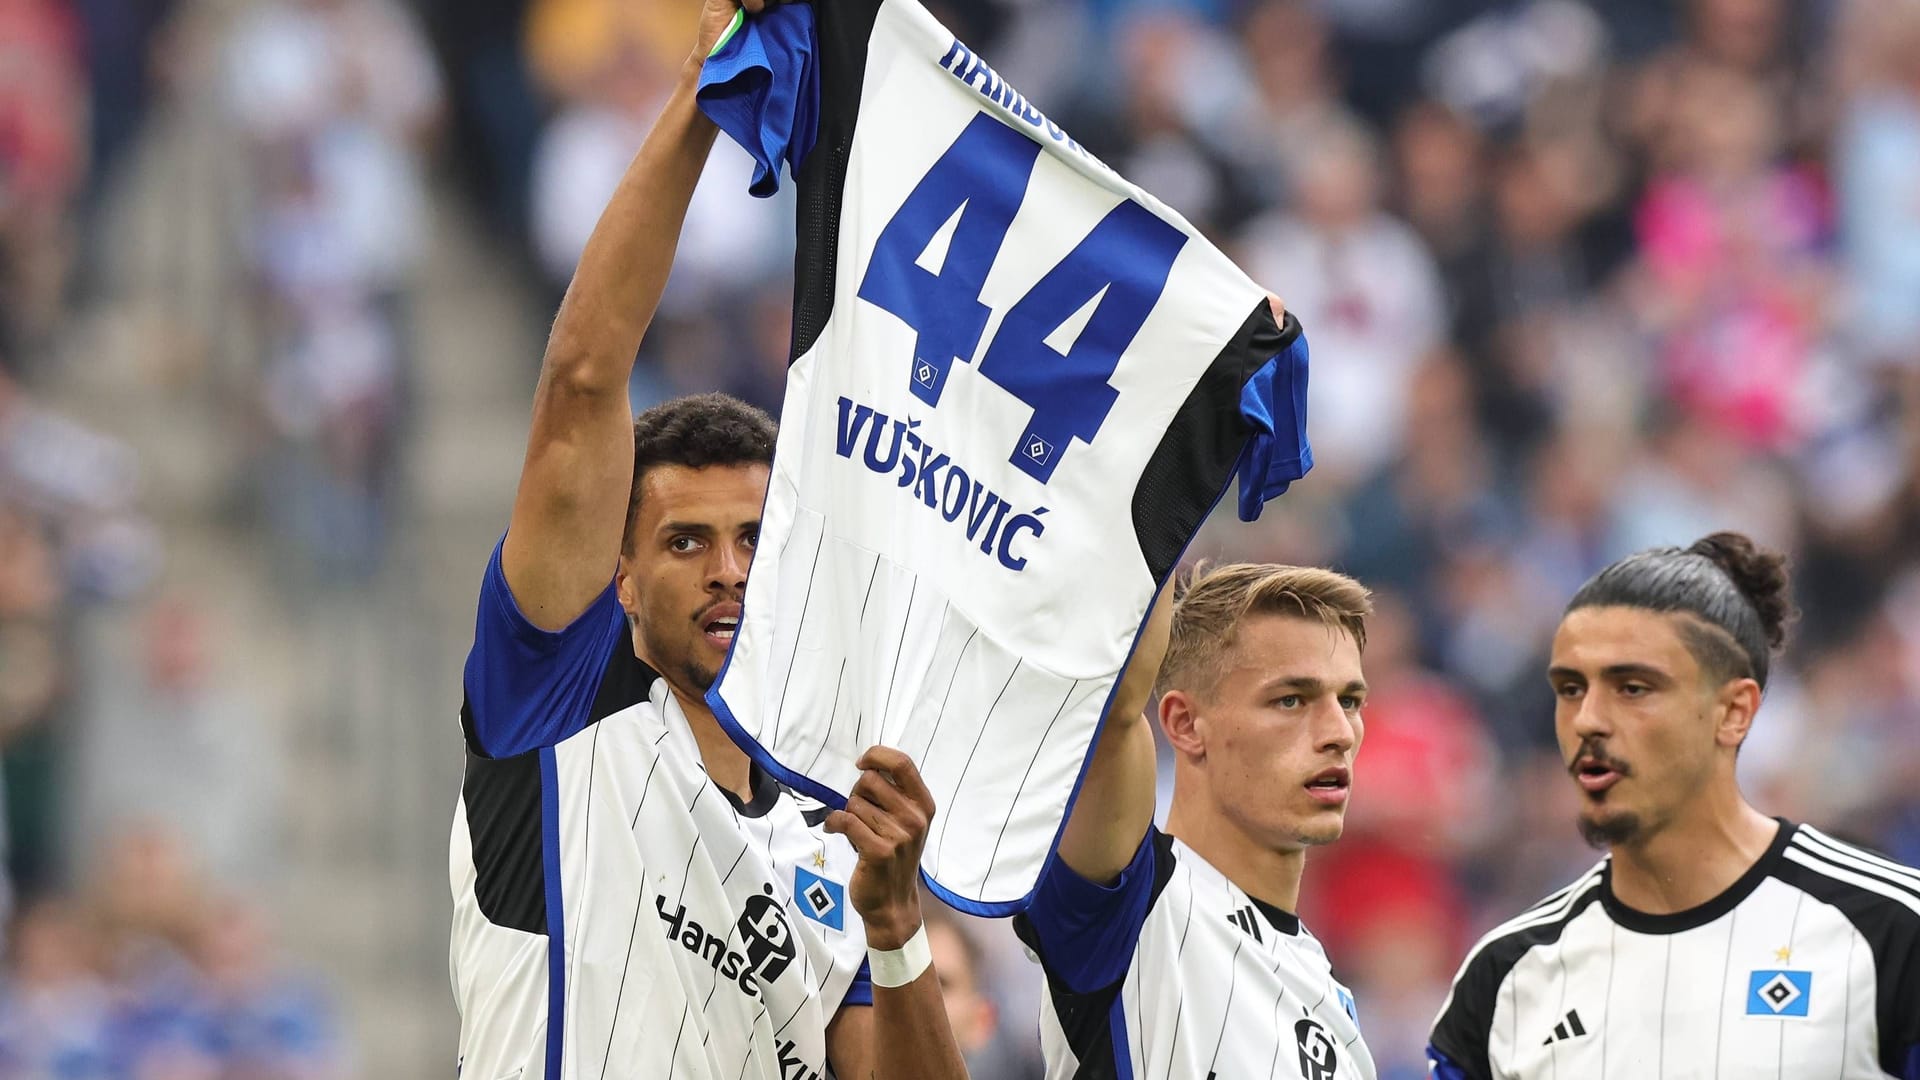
{"type": "Point", "coordinates": [1019, 385]}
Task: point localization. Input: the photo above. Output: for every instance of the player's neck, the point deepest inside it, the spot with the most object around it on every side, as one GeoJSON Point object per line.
{"type": "Point", "coordinates": [1694, 859]}
{"type": "Point", "coordinates": [1268, 875]}
{"type": "Point", "coordinates": [727, 765]}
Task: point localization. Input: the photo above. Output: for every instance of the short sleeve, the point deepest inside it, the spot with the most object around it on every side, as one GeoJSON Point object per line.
{"type": "Point", "coordinates": [1085, 933]}
{"type": "Point", "coordinates": [1274, 403]}
{"type": "Point", "coordinates": [1442, 1067]}
{"type": "Point", "coordinates": [761, 85]}
{"type": "Point", "coordinates": [860, 991]}
{"type": "Point", "coordinates": [527, 687]}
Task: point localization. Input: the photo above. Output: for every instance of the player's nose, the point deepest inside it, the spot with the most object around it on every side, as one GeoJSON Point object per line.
{"type": "Point", "coordinates": [729, 568]}
{"type": "Point", "coordinates": [1590, 719]}
{"type": "Point", "coordinates": [1334, 729]}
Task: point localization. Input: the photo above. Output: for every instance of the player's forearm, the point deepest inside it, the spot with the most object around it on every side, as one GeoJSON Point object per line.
{"type": "Point", "coordinates": [1115, 804]}
{"type": "Point", "coordinates": [912, 1039]}
{"type": "Point", "coordinates": [623, 270]}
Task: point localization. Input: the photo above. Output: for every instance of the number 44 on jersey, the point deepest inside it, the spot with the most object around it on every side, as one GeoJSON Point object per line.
{"type": "Point", "coordinates": [1059, 344]}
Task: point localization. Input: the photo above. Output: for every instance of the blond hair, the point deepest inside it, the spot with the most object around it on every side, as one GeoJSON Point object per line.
{"type": "Point", "coordinates": [1210, 607]}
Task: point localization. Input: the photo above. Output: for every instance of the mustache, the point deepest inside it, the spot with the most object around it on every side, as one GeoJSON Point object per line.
{"type": "Point", "coordinates": [1593, 750]}
{"type": "Point", "coordinates": [701, 617]}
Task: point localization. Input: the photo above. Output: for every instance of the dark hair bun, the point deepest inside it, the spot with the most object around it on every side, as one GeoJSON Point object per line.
{"type": "Point", "coordinates": [1759, 573]}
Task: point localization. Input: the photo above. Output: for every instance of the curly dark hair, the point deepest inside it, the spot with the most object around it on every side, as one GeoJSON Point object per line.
{"type": "Point", "coordinates": [697, 431]}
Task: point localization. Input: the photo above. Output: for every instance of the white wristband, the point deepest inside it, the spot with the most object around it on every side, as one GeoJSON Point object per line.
{"type": "Point", "coordinates": [898, 967]}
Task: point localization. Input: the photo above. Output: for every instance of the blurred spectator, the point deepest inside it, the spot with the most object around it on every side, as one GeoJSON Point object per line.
{"type": "Point", "coordinates": [573, 44]}
{"type": "Point", "coordinates": [1877, 161]}
{"type": "Point", "coordinates": [148, 978]}
{"type": "Point", "coordinates": [43, 158]}
{"type": "Point", "coordinates": [55, 1011]}
{"type": "Point", "coordinates": [971, 1010]}
{"type": "Point", "coordinates": [1502, 64]}
{"type": "Point", "coordinates": [337, 97]}
{"type": "Point", "coordinates": [1295, 94]}
{"type": "Point", "coordinates": [268, 1023]}
{"type": "Point", "coordinates": [1735, 273]}
{"type": "Point", "coordinates": [1165, 131]}
{"type": "Point", "coordinates": [1366, 286]}
{"type": "Point", "coordinates": [170, 745]}
{"type": "Point", "coordinates": [727, 243]}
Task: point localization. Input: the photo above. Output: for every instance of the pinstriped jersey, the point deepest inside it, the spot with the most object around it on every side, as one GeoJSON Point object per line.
{"type": "Point", "coordinates": [617, 915]}
{"type": "Point", "coordinates": [1019, 385]}
{"type": "Point", "coordinates": [1807, 968]}
{"type": "Point", "coordinates": [1174, 973]}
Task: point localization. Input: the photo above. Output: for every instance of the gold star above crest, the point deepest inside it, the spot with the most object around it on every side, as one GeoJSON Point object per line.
{"type": "Point", "coordinates": [820, 860]}
{"type": "Point", "coordinates": [1783, 954]}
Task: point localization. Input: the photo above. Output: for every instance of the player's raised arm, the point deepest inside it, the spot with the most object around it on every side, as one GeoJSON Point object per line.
{"type": "Point", "coordinates": [1115, 804]}
{"type": "Point", "coordinates": [570, 511]}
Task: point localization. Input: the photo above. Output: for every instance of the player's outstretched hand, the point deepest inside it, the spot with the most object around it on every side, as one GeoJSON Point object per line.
{"type": "Point", "coordinates": [716, 16]}
{"type": "Point", "coordinates": [886, 819]}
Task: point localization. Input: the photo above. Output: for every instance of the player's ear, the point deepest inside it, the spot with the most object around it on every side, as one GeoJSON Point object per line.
{"type": "Point", "coordinates": [1180, 720]}
{"type": "Point", "coordinates": [625, 590]}
{"type": "Point", "coordinates": [1739, 701]}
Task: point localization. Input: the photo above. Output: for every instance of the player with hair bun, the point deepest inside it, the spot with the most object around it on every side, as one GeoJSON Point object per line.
{"type": "Point", "coordinates": [1713, 941]}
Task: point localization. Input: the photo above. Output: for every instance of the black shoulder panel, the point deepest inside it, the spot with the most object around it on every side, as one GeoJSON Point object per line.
{"type": "Point", "coordinates": [843, 30]}
{"type": "Point", "coordinates": [1197, 454]}
{"type": "Point", "coordinates": [502, 797]}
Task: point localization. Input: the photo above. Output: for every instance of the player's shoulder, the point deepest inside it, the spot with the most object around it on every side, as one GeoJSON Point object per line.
{"type": "Point", "coordinates": [1873, 891]}
{"type": "Point", "coordinates": [1497, 951]}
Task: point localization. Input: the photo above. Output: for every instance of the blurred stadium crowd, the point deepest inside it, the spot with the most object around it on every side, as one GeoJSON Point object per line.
{"type": "Point", "coordinates": [1579, 278]}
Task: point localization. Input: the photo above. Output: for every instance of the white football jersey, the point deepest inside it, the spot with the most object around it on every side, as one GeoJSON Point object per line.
{"type": "Point", "coordinates": [1174, 973]}
{"type": "Point", "coordinates": [616, 913]}
{"type": "Point", "coordinates": [1807, 968]}
{"type": "Point", "coordinates": [1020, 383]}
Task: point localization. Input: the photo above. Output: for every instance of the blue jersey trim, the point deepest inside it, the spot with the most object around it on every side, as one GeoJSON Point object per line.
{"type": "Point", "coordinates": [761, 85]}
{"type": "Point", "coordinates": [860, 991]}
{"type": "Point", "coordinates": [1911, 1070]}
{"type": "Point", "coordinates": [1274, 402]}
{"type": "Point", "coordinates": [1441, 1067]}
{"type": "Point", "coordinates": [1117, 1025]}
{"type": "Point", "coordinates": [556, 922]}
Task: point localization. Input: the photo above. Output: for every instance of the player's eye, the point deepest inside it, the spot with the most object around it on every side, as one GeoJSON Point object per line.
{"type": "Point", "coordinates": [1635, 689]}
{"type": "Point", "coordinates": [1351, 703]}
{"type": "Point", "coordinates": [683, 544]}
{"type": "Point", "coordinates": [752, 540]}
{"type": "Point", "coordinates": [1569, 691]}
{"type": "Point", "coordinates": [1289, 701]}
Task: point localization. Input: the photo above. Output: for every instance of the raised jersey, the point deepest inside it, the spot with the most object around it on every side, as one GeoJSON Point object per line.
{"type": "Point", "coordinates": [1019, 384]}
